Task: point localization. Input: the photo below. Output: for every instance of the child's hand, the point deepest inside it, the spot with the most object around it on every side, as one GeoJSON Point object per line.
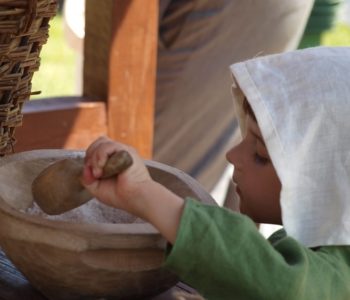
{"type": "Point", "coordinates": [122, 191]}
{"type": "Point", "coordinates": [133, 190]}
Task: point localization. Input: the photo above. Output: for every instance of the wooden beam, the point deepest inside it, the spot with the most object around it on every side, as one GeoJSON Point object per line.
{"type": "Point", "coordinates": [69, 123]}
{"type": "Point", "coordinates": [128, 29]}
{"type": "Point", "coordinates": [98, 34]}
{"type": "Point", "coordinates": [132, 73]}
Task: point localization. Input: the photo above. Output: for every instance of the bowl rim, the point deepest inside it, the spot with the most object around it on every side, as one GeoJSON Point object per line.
{"type": "Point", "coordinates": [93, 228]}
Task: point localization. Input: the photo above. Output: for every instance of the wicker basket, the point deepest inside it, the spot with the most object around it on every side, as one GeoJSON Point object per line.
{"type": "Point", "coordinates": [24, 28]}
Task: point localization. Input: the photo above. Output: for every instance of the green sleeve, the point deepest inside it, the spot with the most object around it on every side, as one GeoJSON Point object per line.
{"type": "Point", "coordinates": [222, 255]}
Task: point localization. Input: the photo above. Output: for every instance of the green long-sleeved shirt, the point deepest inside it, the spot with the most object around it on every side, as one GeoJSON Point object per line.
{"type": "Point", "coordinates": [223, 256]}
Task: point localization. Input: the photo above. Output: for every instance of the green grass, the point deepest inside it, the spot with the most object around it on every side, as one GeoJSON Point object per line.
{"type": "Point", "coordinates": [56, 76]}
{"type": "Point", "coordinates": [338, 36]}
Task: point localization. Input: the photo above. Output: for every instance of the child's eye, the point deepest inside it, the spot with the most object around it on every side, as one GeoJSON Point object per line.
{"type": "Point", "coordinates": [260, 159]}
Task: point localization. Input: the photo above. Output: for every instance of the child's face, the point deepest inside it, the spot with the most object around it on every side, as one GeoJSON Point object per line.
{"type": "Point", "coordinates": [257, 183]}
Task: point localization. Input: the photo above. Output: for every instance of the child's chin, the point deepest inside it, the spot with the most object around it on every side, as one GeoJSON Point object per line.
{"type": "Point", "coordinates": [245, 211]}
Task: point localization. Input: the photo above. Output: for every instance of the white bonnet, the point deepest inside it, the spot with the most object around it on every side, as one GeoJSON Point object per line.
{"type": "Point", "coordinates": [301, 100]}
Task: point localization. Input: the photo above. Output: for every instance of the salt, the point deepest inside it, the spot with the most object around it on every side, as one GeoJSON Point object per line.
{"type": "Point", "coordinates": [92, 211]}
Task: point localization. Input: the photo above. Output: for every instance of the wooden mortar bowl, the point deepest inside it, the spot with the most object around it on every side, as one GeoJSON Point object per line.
{"type": "Point", "coordinates": [66, 260]}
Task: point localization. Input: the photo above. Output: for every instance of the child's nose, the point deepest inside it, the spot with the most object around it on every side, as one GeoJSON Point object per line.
{"type": "Point", "coordinates": [232, 155]}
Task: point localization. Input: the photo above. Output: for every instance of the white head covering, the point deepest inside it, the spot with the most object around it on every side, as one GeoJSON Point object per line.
{"type": "Point", "coordinates": [301, 100]}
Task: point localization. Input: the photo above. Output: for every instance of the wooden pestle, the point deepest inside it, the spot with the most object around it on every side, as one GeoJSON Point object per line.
{"type": "Point", "coordinates": [58, 189]}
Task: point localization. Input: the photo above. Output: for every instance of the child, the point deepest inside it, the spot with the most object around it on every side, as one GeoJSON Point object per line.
{"type": "Point", "coordinates": [292, 168]}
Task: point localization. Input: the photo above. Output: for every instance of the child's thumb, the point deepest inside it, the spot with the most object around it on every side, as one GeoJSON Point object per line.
{"type": "Point", "coordinates": [88, 180]}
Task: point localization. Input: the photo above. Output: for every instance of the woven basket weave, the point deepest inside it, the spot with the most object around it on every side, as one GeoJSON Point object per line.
{"type": "Point", "coordinates": [24, 28]}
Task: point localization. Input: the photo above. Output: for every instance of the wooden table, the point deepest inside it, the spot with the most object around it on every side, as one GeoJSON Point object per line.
{"type": "Point", "coordinates": [14, 286]}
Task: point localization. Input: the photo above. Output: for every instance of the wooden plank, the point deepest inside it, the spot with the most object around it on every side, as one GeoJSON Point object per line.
{"type": "Point", "coordinates": [131, 70]}
{"type": "Point", "coordinates": [61, 123]}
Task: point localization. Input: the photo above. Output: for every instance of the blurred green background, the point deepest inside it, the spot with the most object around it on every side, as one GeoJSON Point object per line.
{"type": "Point", "coordinates": [58, 70]}
{"type": "Point", "coordinates": [56, 76]}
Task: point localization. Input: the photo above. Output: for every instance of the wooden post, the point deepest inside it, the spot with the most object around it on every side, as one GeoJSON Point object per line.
{"type": "Point", "coordinates": [120, 66]}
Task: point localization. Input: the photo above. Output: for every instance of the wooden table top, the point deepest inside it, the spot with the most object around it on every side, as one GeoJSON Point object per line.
{"type": "Point", "coordinates": [14, 286]}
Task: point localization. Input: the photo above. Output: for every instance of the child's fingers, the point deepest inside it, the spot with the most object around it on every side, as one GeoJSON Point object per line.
{"type": "Point", "coordinates": [98, 153]}
{"type": "Point", "coordinates": [88, 177]}
{"type": "Point", "coordinates": [94, 145]}
{"type": "Point", "coordinates": [103, 152]}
